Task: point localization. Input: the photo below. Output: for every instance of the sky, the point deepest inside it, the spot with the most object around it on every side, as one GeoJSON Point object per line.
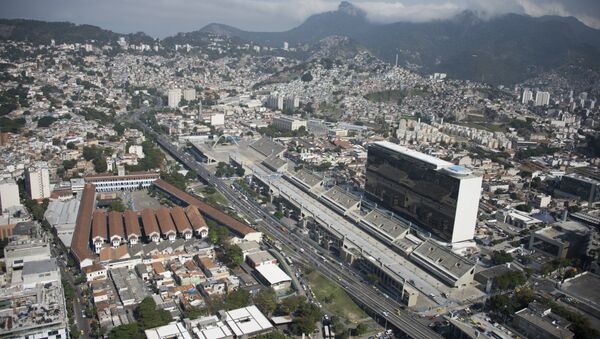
{"type": "Point", "coordinates": [161, 18]}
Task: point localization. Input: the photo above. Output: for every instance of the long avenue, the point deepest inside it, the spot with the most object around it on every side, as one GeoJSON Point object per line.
{"type": "Point", "coordinates": [385, 307]}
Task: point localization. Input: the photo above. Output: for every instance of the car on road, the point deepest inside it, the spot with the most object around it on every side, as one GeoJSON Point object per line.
{"type": "Point", "coordinates": [385, 313]}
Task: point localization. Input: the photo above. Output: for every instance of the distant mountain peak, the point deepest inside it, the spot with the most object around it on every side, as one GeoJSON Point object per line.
{"type": "Point", "coordinates": [469, 17]}
{"type": "Point", "coordinates": [348, 8]}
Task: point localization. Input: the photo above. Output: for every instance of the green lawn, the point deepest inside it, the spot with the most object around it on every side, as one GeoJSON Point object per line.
{"type": "Point", "coordinates": [334, 298]}
{"type": "Point", "coordinates": [216, 198]}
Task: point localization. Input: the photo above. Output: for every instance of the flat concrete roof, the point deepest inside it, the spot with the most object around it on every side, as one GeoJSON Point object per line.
{"type": "Point", "coordinates": [444, 258]}
{"type": "Point", "coordinates": [372, 249]}
{"type": "Point", "coordinates": [247, 320]}
{"type": "Point", "coordinates": [585, 288]}
{"type": "Point", "coordinates": [39, 266]}
{"type": "Point", "coordinates": [267, 147]}
{"type": "Point", "coordinates": [273, 274]}
{"type": "Point", "coordinates": [438, 163]}
{"type": "Point", "coordinates": [308, 178]}
{"type": "Point", "coordinates": [274, 162]}
{"type": "Point", "coordinates": [341, 197]}
{"type": "Point", "coordinates": [384, 223]}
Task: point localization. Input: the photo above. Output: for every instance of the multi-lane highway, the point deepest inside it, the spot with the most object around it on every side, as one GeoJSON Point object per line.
{"type": "Point", "coordinates": [364, 293]}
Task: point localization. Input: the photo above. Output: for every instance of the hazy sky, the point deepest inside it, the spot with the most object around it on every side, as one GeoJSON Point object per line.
{"type": "Point", "coordinates": [161, 18]}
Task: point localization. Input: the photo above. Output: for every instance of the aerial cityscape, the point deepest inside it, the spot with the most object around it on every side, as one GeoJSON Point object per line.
{"type": "Point", "coordinates": [302, 169]}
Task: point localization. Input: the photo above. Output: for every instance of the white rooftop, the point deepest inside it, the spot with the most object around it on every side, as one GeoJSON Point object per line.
{"type": "Point", "coordinates": [214, 332]}
{"type": "Point", "coordinates": [438, 163]}
{"type": "Point", "coordinates": [247, 320]}
{"type": "Point", "coordinates": [176, 330]}
{"type": "Point", "coordinates": [273, 274]}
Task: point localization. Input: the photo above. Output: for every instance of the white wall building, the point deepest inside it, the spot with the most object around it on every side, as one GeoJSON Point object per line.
{"type": "Point", "coordinates": [288, 123]}
{"type": "Point", "coordinates": [9, 194]}
{"type": "Point", "coordinates": [542, 98]}
{"type": "Point", "coordinates": [174, 97]}
{"type": "Point", "coordinates": [527, 96]}
{"type": "Point", "coordinates": [137, 150]}
{"type": "Point", "coordinates": [189, 94]}
{"type": "Point", "coordinates": [217, 119]}
{"type": "Point", "coordinates": [38, 182]}
{"type": "Point", "coordinates": [291, 103]}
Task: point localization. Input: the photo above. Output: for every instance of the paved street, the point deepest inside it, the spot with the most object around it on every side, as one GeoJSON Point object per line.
{"type": "Point", "coordinates": [366, 295]}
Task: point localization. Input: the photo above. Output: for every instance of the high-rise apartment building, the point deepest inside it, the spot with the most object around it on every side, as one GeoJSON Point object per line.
{"type": "Point", "coordinates": [174, 97]}
{"type": "Point", "coordinates": [527, 96]}
{"type": "Point", "coordinates": [275, 102]}
{"type": "Point", "coordinates": [189, 94]}
{"type": "Point", "coordinates": [441, 196]}
{"type": "Point", "coordinates": [37, 180]}
{"type": "Point", "coordinates": [542, 98]}
{"type": "Point", "coordinates": [291, 103]}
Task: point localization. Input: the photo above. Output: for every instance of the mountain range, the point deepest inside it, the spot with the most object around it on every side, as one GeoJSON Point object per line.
{"type": "Point", "coordinates": [506, 49]}
{"type": "Point", "coordinates": [503, 50]}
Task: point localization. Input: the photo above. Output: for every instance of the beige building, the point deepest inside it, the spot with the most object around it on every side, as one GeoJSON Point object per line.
{"type": "Point", "coordinates": [9, 194]}
{"type": "Point", "coordinates": [288, 123]}
{"type": "Point", "coordinates": [38, 182]}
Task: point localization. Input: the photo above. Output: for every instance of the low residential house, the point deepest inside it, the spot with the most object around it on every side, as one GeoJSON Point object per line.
{"type": "Point", "coordinates": [213, 287]}
{"type": "Point", "coordinates": [95, 272]}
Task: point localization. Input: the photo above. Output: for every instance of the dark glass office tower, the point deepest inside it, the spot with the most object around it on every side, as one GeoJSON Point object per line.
{"type": "Point", "coordinates": [436, 194]}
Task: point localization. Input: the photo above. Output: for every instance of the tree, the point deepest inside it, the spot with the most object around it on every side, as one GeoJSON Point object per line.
{"type": "Point", "coordinates": [117, 206]}
{"type": "Point", "coordinates": [148, 316]}
{"type": "Point", "coordinates": [501, 257]}
{"type": "Point", "coordinates": [69, 164]}
{"type": "Point", "coordinates": [509, 280]}
{"type": "Point", "coordinates": [524, 208]}
{"type": "Point", "coordinates": [218, 234]}
{"type": "Point", "coordinates": [91, 153]}
{"type": "Point", "coordinates": [307, 315]}
{"type": "Point", "coordinates": [361, 329]}
{"type": "Point", "coordinates": [129, 331]}
{"type": "Point", "coordinates": [232, 255]}
{"type": "Point", "coordinates": [119, 129]}
{"type": "Point", "coordinates": [289, 305]}
{"type": "Point", "coordinates": [174, 178]}
{"type": "Point", "coordinates": [266, 300]}
{"type": "Point", "coordinates": [237, 299]}
{"type": "Point", "coordinates": [272, 335]}
{"type": "Point", "coordinates": [240, 171]}
{"type": "Point", "coordinates": [100, 165]}
{"type": "Point", "coordinates": [306, 77]}
{"type": "Point", "coordinates": [74, 331]}
{"type": "Point", "coordinates": [191, 175]}
{"type": "Point", "coordinates": [46, 121]}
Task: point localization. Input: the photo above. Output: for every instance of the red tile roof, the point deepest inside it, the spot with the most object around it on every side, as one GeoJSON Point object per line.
{"type": "Point", "coordinates": [181, 221]}
{"type": "Point", "coordinates": [80, 245]}
{"type": "Point", "coordinates": [99, 229]}
{"type": "Point", "coordinates": [132, 224]}
{"type": "Point", "coordinates": [195, 218]}
{"type": "Point", "coordinates": [164, 221]}
{"type": "Point", "coordinates": [149, 222]}
{"type": "Point", "coordinates": [213, 213]}
{"type": "Point", "coordinates": [115, 224]}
